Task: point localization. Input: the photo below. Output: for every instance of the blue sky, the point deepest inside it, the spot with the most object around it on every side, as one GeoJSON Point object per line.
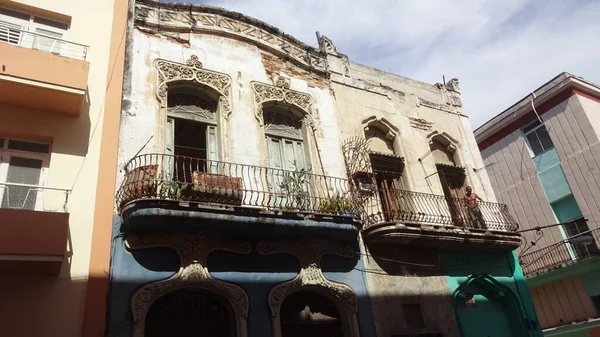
{"type": "Point", "coordinates": [499, 50]}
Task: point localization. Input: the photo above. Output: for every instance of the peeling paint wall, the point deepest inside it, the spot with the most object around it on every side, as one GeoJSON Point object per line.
{"type": "Point", "coordinates": [242, 137]}
{"type": "Point", "coordinates": [418, 110]}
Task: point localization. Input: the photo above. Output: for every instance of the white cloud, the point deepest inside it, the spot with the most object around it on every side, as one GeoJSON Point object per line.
{"type": "Point", "coordinates": [499, 50]}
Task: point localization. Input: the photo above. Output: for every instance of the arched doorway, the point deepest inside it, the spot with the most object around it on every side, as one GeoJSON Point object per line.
{"type": "Point", "coordinates": [452, 177]}
{"type": "Point", "coordinates": [288, 160]}
{"type": "Point", "coordinates": [190, 313]}
{"type": "Point", "coordinates": [306, 313]}
{"type": "Point", "coordinates": [485, 307]}
{"type": "Point", "coordinates": [388, 167]}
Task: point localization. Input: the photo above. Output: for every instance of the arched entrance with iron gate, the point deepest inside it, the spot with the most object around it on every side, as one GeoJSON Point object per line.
{"type": "Point", "coordinates": [190, 313]}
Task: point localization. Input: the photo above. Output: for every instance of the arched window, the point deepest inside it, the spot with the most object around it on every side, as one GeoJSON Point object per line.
{"type": "Point", "coordinates": [307, 313]}
{"type": "Point", "coordinates": [290, 187]}
{"type": "Point", "coordinates": [452, 177]}
{"type": "Point", "coordinates": [190, 312]}
{"type": "Point", "coordinates": [192, 130]}
{"type": "Point", "coordinates": [284, 133]}
{"type": "Point", "coordinates": [387, 165]}
{"type": "Point", "coordinates": [443, 151]}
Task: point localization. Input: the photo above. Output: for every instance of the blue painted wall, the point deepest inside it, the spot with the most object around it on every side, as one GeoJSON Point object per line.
{"type": "Point", "coordinates": [254, 273]}
{"type": "Point", "coordinates": [488, 317]}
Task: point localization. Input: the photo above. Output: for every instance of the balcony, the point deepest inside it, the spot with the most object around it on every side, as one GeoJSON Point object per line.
{"type": "Point", "coordinates": [174, 193]}
{"type": "Point", "coordinates": [34, 223]}
{"type": "Point", "coordinates": [397, 216]}
{"type": "Point", "coordinates": [42, 72]}
{"type": "Point", "coordinates": [561, 254]}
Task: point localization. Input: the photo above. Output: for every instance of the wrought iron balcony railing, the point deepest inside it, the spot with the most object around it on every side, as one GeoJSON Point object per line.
{"type": "Point", "coordinates": [560, 253]}
{"type": "Point", "coordinates": [14, 35]}
{"type": "Point", "coordinates": [395, 205]}
{"type": "Point", "coordinates": [34, 198]}
{"type": "Point", "coordinates": [187, 179]}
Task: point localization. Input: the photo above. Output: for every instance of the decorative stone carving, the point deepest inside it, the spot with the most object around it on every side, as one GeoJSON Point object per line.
{"type": "Point", "coordinates": [264, 93]}
{"type": "Point", "coordinates": [175, 18]}
{"type": "Point", "coordinates": [194, 62]}
{"type": "Point", "coordinates": [309, 252]}
{"type": "Point", "coordinates": [420, 123]}
{"type": "Point", "coordinates": [326, 45]}
{"type": "Point", "coordinates": [283, 82]}
{"type": "Point", "coordinates": [193, 250]}
{"type": "Point", "coordinates": [192, 72]}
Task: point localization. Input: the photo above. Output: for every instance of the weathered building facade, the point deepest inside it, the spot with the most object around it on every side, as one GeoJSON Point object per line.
{"type": "Point", "coordinates": [60, 95]}
{"type": "Point", "coordinates": [297, 193]}
{"type": "Point", "coordinates": [541, 153]}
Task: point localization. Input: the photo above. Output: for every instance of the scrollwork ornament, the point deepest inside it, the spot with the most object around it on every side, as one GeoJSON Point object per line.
{"type": "Point", "coordinates": [309, 253]}
{"type": "Point", "coordinates": [193, 250]}
{"type": "Point", "coordinates": [264, 93]}
{"type": "Point", "coordinates": [192, 71]}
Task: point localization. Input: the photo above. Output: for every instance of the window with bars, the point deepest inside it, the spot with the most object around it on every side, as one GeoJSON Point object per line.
{"type": "Point", "coordinates": [23, 167]}
{"type": "Point", "coordinates": [538, 138]}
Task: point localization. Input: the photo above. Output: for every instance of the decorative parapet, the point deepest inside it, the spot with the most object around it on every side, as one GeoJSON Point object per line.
{"type": "Point", "coordinates": [188, 18]}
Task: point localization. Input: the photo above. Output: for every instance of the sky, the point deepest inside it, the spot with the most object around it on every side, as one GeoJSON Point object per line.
{"type": "Point", "coordinates": [500, 50]}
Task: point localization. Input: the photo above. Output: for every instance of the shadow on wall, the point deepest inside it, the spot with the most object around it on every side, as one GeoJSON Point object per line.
{"type": "Point", "coordinates": [43, 305]}
{"type": "Point", "coordinates": [70, 134]}
{"type": "Point", "coordinates": [402, 260]}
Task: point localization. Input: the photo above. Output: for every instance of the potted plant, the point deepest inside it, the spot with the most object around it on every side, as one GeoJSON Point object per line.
{"type": "Point", "coordinates": [337, 204]}
{"type": "Point", "coordinates": [296, 184]}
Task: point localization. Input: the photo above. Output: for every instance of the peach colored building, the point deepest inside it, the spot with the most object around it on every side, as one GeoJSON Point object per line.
{"type": "Point", "coordinates": [61, 66]}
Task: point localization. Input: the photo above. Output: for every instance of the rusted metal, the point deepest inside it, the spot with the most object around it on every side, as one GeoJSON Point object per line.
{"type": "Point", "coordinates": [560, 253]}
{"type": "Point", "coordinates": [187, 179]}
{"type": "Point", "coordinates": [407, 207]}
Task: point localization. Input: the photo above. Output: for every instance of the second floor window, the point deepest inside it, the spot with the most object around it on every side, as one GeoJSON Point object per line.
{"type": "Point", "coordinates": [285, 141]}
{"type": "Point", "coordinates": [32, 31]}
{"type": "Point", "coordinates": [23, 167]}
{"type": "Point", "coordinates": [538, 138]}
{"type": "Point", "coordinates": [191, 131]}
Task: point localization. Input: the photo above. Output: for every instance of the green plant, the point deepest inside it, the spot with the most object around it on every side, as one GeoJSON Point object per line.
{"type": "Point", "coordinates": [337, 204]}
{"type": "Point", "coordinates": [296, 185]}
{"type": "Point", "coordinates": [169, 189]}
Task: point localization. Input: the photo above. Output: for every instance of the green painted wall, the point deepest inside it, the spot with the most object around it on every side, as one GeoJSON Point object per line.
{"type": "Point", "coordinates": [502, 301]}
{"type": "Point", "coordinates": [591, 282]}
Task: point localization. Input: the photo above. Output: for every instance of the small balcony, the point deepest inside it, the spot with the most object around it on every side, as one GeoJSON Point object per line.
{"type": "Point", "coordinates": [392, 216]}
{"type": "Point", "coordinates": [42, 72]}
{"type": "Point", "coordinates": [176, 193]}
{"type": "Point", "coordinates": [561, 254]}
{"type": "Point", "coordinates": [34, 223]}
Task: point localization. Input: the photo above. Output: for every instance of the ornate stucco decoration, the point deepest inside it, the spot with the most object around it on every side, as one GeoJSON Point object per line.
{"type": "Point", "coordinates": [309, 252]}
{"type": "Point", "coordinates": [185, 19]}
{"type": "Point", "coordinates": [193, 250]}
{"type": "Point", "coordinates": [192, 72]}
{"type": "Point", "coordinates": [281, 92]}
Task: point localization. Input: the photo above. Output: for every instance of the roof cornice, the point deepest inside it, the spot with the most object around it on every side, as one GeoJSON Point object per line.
{"type": "Point", "coordinates": [192, 18]}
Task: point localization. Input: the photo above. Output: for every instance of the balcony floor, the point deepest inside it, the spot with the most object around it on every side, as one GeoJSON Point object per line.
{"type": "Point", "coordinates": [441, 237]}
{"type": "Point", "coordinates": [165, 216]}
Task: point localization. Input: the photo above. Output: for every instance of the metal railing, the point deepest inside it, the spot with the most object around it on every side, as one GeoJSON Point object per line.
{"type": "Point", "coordinates": [395, 205]}
{"type": "Point", "coordinates": [16, 36]}
{"type": "Point", "coordinates": [33, 197]}
{"type": "Point", "coordinates": [560, 253]}
{"type": "Point", "coordinates": [187, 179]}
